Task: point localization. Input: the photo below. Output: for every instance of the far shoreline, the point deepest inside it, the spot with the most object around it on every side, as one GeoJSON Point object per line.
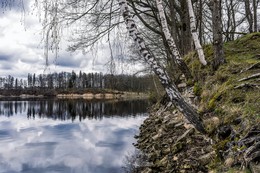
{"type": "Point", "coordinates": [85, 96]}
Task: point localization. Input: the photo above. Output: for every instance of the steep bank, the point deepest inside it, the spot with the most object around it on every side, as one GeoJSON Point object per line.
{"type": "Point", "coordinates": [229, 103]}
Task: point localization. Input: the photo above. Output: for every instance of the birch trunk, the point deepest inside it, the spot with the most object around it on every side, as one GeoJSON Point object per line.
{"type": "Point", "coordinates": [194, 34]}
{"type": "Point", "coordinates": [175, 97]}
{"type": "Point", "coordinates": [170, 41]}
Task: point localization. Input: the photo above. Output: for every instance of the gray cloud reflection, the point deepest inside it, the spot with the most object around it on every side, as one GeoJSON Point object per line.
{"type": "Point", "coordinates": [50, 145]}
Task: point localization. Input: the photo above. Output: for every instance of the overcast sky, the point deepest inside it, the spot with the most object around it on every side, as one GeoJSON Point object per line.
{"type": "Point", "coordinates": [21, 51]}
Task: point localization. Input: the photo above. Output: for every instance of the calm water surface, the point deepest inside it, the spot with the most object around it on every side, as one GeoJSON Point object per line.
{"type": "Point", "coordinates": [67, 136]}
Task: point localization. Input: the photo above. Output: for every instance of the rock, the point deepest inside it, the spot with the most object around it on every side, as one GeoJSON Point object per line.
{"type": "Point", "coordinates": [147, 170]}
{"type": "Point", "coordinates": [175, 158]}
{"type": "Point", "coordinates": [186, 166]}
{"type": "Point", "coordinates": [179, 124]}
{"type": "Point", "coordinates": [224, 132]}
{"type": "Point", "coordinates": [163, 162]}
{"type": "Point", "coordinates": [237, 121]}
{"type": "Point", "coordinates": [172, 123]}
{"type": "Point", "coordinates": [136, 136]}
{"type": "Point", "coordinates": [188, 125]}
{"type": "Point", "coordinates": [182, 85]}
{"type": "Point", "coordinates": [156, 146]}
{"type": "Point", "coordinates": [205, 159]}
{"type": "Point", "coordinates": [158, 135]}
{"type": "Point", "coordinates": [152, 156]}
{"type": "Point", "coordinates": [166, 151]}
{"type": "Point", "coordinates": [229, 162]}
{"type": "Point", "coordinates": [176, 147]}
{"type": "Point", "coordinates": [212, 123]}
{"type": "Point", "coordinates": [167, 118]}
{"type": "Point", "coordinates": [169, 142]}
{"type": "Point", "coordinates": [255, 168]}
{"type": "Point", "coordinates": [158, 121]}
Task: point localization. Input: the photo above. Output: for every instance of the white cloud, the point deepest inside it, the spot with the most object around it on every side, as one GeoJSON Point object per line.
{"type": "Point", "coordinates": [80, 146]}
{"type": "Point", "coordinates": [21, 51]}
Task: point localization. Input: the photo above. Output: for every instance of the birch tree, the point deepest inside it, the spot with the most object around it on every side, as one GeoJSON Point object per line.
{"type": "Point", "coordinates": [95, 19]}
{"type": "Point", "coordinates": [174, 50]}
{"type": "Point", "coordinates": [195, 34]}
{"type": "Point", "coordinates": [175, 97]}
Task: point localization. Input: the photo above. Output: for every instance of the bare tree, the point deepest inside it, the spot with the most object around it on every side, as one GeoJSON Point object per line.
{"type": "Point", "coordinates": [249, 16]}
{"type": "Point", "coordinates": [255, 4]}
{"type": "Point", "coordinates": [195, 34]}
{"type": "Point", "coordinates": [175, 97]}
{"type": "Point", "coordinates": [219, 57]}
{"type": "Point", "coordinates": [170, 41]}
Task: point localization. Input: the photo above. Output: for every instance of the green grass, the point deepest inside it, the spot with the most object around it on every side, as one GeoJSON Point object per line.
{"type": "Point", "coordinates": [216, 88]}
{"type": "Point", "coordinates": [217, 92]}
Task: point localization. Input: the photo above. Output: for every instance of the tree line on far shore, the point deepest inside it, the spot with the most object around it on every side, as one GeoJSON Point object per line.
{"type": "Point", "coordinates": [71, 82]}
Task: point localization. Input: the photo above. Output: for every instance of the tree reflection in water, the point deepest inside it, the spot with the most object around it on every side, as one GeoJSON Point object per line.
{"type": "Point", "coordinates": [63, 109]}
{"type": "Point", "coordinates": [37, 135]}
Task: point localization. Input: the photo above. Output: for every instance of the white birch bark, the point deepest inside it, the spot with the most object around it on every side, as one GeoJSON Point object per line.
{"type": "Point", "coordinates": [173, 48]}
{"type": "Point", "coordinates": [175, 97]}
{"type": "Point", "coordinates": [166, 31]}
{"type": "Point", "coordinates": [194, 34]}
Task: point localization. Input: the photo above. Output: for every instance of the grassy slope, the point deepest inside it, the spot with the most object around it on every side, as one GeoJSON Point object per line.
{"type": "Point", "coordinates": [216, 90]}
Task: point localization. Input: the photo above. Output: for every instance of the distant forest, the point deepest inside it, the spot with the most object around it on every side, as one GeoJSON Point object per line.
{"type": "Point", "coordinates": [71, 82]}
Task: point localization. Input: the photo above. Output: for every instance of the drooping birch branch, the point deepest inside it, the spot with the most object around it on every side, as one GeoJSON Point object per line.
{"type": "Point", "coordinates": [175, 97]}
{"type": "Point", "coordinates": [170, 41]}
{"type": "Point", "coordinates": [194, 34]}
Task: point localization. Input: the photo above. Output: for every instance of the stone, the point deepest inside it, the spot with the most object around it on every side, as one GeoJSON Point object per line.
{"type": "Point", "coordinates": [179, 124]}
{"type": "Point", "coordinates": [212, 123]}
{"type": "Point", "coordinates": [188, 125]}
{"type": "Point", "coordinates": [224, 131]}
{"type": "Point", "coordinates": [182, 85]}
{"type": "Point", "coordinates": [172, 123]}
{"type": "Point", "coordinates": [205, 159]}
{"type": "Point", "coordinates": [163, 162]}
{"type": "Point", "coordinates": [166, 151]}
{"type": "Point", "coordinates": [255, 168]}
{"type": "Point", "coordinates": [229, 162]}
{"type": "Point", "coordinates": [158, 135]}
{"type": "Point", "coordinates": [175, 158]}
{"type": "Point", "coordinates": [152, 156]}
{"type": "Point", "coordinates": [147, 170]}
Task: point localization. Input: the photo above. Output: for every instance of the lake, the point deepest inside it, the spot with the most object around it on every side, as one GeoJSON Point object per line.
{"type": "Point", "coordinates": [68, 136]}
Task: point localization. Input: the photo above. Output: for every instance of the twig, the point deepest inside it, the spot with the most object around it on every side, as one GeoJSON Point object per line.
{"type": "Point", "coordinates": [250, 77]}
{"type": "Point", "coordinates": [257, 65]}
{"type": "Point", "coordinates": [246, 85]}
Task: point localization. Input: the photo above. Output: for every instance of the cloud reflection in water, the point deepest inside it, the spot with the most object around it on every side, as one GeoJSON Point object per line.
{"type": "Point", "coordinates": [50, 145]}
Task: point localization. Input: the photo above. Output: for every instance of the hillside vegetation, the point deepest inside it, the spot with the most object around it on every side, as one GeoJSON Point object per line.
{"type": "Point", "coordinates": [234, 89]}
{"type": "Point", "coordinates": [228, 101]}
{"type": "Point", "coordinates": [232, 93]}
